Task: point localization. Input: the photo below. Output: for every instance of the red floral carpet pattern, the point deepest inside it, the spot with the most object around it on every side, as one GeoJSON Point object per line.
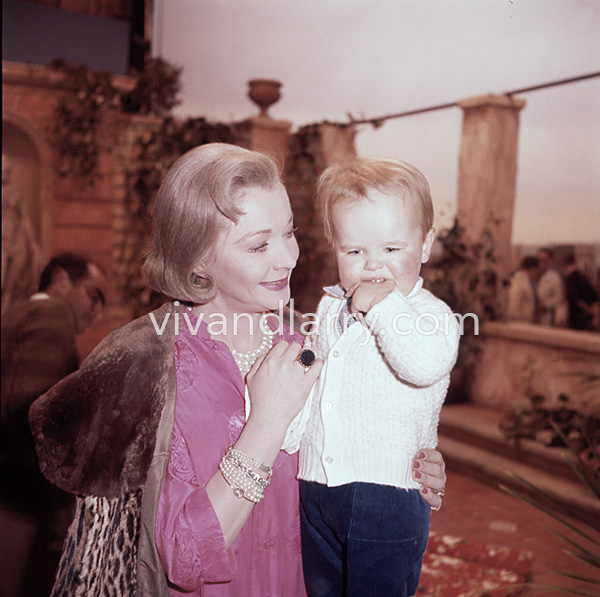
{"type": "Point", "coordinates": [455, 567]}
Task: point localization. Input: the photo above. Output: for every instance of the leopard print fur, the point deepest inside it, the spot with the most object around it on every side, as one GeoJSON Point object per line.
{"type": "Point", "coordinates": [100, 552]}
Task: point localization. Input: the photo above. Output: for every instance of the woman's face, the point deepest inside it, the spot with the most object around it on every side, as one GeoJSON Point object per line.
{"type": "Point", "coordinates": [257, 255]}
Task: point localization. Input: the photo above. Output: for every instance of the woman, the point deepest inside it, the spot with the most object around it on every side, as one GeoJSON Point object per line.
{"type": "Point", "coordinates": [182, 485]}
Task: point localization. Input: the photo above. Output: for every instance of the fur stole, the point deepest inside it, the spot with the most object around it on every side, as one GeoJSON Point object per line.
{"type": "Point", "coordinates": [95, 431]}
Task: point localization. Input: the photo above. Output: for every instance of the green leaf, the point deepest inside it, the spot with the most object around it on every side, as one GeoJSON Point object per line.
{"type": "Point", "coordinates": [547, 511]}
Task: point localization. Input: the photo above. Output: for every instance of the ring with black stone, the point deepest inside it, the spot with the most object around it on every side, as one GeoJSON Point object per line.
{"type": "Point", "coordinates": [306, 358]}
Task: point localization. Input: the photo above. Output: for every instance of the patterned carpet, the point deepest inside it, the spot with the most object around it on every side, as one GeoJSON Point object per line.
{"type": "Point", "coordinates": [454, 567]}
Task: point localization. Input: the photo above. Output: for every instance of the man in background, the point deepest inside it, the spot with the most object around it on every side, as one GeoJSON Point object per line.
{"type": "Point", "coordinates": [522, 303]}
{"type": "Point", "coordinates": [550, 291]}
{"type": "Point", "coordinates": [38, 349]}
{"type": "Point", "coordinates": [584, 304]}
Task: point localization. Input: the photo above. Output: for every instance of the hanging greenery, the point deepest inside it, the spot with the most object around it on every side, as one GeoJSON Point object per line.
{"type": "Point", "coordinates": [465, 276]}
{"type": "Point", "coordinates": [91, 94]}
{"type": "Point", "coordinates": [157, 89]}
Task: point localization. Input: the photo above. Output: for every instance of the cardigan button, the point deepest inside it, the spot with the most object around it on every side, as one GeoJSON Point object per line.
{"type": "Point", "coordinates": [329, 460]}
{"type": "Point", "coordinates": [336, 353]}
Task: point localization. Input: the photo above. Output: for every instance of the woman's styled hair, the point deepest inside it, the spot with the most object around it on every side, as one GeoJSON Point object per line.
{"type": "Point", "coordinates": [352, 182]}
{"type": "Point", "coordinates": [199, 194]}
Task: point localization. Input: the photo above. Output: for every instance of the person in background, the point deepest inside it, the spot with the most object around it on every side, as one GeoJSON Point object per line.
{"type": "Point", "coordinates": [38, 350]}
{"type": "Point", "coordinates": [388, 358]}
{"type": "Point", "coordinates": [550, 291]}
{"type": "Point", "coordinates": [522, 303]}
{"type": "Point", "coordinates": [170, 432]}
{"type": "Point", "coordinates": [584, 306]}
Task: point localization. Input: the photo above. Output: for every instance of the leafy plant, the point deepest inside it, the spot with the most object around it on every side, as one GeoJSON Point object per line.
{"type": "Point", "coordinates": [156, 91]}
{"type": "Point", "coordinates": [536, 421]}
{"type": "Point", "coordinates": [465, 276]}
{"type": "Point", "coordinates": [586, 547]}
{"type": "Point", "coordinates": [90, 94]}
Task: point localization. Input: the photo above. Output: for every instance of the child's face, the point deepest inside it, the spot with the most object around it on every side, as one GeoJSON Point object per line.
{"type": "Point", "coordinates": [379, 239]}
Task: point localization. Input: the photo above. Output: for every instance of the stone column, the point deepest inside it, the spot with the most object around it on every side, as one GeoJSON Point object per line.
{"type": "Point", "coordinates": [263, 133]}
{"type": "Point", "coordinates": [337, 144]}
{"type": "Point", "coordinates": [487, 173]}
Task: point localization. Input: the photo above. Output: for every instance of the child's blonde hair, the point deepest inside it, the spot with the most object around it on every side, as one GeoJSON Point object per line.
{"type": "Point", "coordinates": [352, 182]}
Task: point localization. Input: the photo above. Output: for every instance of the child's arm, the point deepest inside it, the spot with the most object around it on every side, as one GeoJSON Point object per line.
{"type": "Point", "coordinates": [418, 336]}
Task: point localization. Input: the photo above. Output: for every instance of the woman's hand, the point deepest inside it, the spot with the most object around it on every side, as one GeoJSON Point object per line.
{"type": "Point", "coordinates": [429, 470]}
{"type": "Point", "coordinates": [279, 385]}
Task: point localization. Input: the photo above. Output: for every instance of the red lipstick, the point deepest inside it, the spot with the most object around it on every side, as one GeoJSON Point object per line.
{"type": "Point", "coordinates": [277, 285]}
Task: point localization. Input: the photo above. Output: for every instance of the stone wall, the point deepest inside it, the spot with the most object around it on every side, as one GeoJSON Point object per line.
{"type": "Point", "coordinates": [518, 361]}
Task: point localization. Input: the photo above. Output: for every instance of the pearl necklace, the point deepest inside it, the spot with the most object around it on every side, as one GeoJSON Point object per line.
{"type": "Point", "coordinates": [245, 360]}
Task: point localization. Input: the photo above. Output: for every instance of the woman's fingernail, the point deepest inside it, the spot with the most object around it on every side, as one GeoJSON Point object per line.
{"type": "Point", "coordinates": [425, 490]}
{"type": "Point", "coordinates": [421, 455]}
{"type": "Point", "coordinates": [416, 464]}
{"type": "Point", "coordinates": [417, 475]}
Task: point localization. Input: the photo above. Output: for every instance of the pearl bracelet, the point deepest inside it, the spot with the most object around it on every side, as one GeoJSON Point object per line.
{"type": "Point", "coordinates": [243, 457]}
{"type": "Point", "coordinates": [245, 482]}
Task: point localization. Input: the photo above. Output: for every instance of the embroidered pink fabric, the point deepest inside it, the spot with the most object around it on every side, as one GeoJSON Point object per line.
{"type": "Point", "coordinates": [265, 559]}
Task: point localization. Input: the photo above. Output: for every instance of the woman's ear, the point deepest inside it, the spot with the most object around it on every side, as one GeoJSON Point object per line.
{"type": "Point", "coordinates": [201, 278]}
{"type": "Point", "coordinates": [427, 245]}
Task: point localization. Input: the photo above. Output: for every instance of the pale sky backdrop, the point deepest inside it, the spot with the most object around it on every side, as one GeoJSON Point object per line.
{"type": "Point", "coordinates": [371, 58]}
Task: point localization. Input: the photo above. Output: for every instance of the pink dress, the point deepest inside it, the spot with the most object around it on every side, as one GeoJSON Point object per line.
{"type": "Point", "coordinates": [264, 560]}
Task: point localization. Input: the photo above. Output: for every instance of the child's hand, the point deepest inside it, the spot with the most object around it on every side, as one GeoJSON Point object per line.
{"type": "Point", "coordinates": [366, 295]}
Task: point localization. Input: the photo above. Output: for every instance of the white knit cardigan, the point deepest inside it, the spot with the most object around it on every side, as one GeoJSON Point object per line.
{"type": "Point", "coordinates": [378, 399]}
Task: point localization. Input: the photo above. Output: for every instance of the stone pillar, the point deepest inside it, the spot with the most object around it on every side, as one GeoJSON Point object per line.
{"type": "Point", "coordinates": [269, 136]}
{"type": "Point", "coordinates": [263, 133]}
{"type": "Point", "coordinates": [487, 173]}
{"type": "Point", "coordinates": [337, 144]}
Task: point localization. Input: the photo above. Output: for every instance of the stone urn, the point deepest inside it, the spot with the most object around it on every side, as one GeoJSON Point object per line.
{"type": "Point", "coordinates": [264, 93]}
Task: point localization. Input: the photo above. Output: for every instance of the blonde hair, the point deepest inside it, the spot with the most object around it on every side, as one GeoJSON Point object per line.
{"type": "Point", "coordinates": [352, 182]}
{"type": "Point", "coordinates": [200, 192]}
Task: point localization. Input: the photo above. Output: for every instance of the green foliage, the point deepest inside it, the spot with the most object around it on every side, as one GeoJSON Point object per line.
{"type": "Point", "coordinates": [552, 425]}
{"type": "Point", "coordinates": [586, 546]}
{"type": "Point", "coordinates": [157, 89]}
{"type": "Point", "coordinates": [465, 275]}
{"type": "Point", "coordinates": [90, 94]}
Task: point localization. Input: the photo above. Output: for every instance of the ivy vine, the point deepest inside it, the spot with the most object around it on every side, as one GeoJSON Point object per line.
{"type": "Point", "coordinates": [91, 94]}
{"type": "Point", "coordinates": [465, 276]}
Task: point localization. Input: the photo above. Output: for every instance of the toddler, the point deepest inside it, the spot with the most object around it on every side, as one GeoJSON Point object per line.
{"type": "Point", "coordinates": [389, 346]}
